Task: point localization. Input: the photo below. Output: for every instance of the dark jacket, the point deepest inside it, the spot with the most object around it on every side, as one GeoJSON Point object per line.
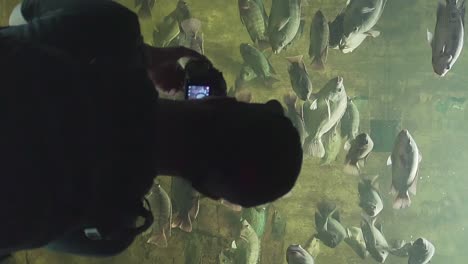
{"type": "Point", "coordinates": [77, 137]}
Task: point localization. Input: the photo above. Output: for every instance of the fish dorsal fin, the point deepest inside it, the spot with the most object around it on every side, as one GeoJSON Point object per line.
{"type": "Point", "coordinates": [328, 108]}
{"type": "Point", "coordinates": [367, 9]}
{"type": "Point", "coordinates": [373, 33]}
{"type": "Point", "coordinates": [430, 37]}
{"type": "Point", "coordinates": [389, 161]}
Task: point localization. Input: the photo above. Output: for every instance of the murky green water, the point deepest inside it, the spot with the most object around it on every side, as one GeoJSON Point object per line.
{"type": "Point", "coordinates": [394, 71]}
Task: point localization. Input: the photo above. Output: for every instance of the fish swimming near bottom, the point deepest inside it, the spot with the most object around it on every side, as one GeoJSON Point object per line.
{"type": "Point", "coordinates": [375, 241]}
{"type": "Point", "coordinates": [300, 80]}
{"type": "Point", "coordinates": [293, 114]}
{"type": "Point", "coordinates": [355, 239]}
{"type": "Point", "coordinates": [295, 254]}
{"type": "Point", "coordinates": [360, 150]}
{"type": "Point", "coordinates": [161, 209]}
{"type": "Point", "coordinates": [327, 222]}
{"type": "Point", "coordinates": [259, 63]}
{"type": "Point", "coordinates": [248, 245]}
{"type": "Point", "coordinates": [369, 197]}
{"type": "Point", "coordinates": [192, 37]}
{"type": "Point", "coordinates": [256, 218]}
{"type": "Point", "coordinates": [319, 37]}
{"type": "Point", "coordinates": [405, 160]}
{"type": "Point", "coordinates": [186, 203]}
{"type": "Point", "coordinates": [332, 143]}
{"type": "Point", "coordinates": [421, 252]}
{"type": "Point", "coordinates": [146, 6]}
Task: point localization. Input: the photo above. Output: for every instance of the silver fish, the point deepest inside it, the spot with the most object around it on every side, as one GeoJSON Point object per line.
{"type": "Point", "coordinates": [327, 222]}
{"type": "Point", "coordinates": [322, 113]}
{"type": "Point", "coordinates": [447, 41]}
{"type": "Point", "coordinates": [283, 32]}
{"type": "Point", "coordinates": [295, 254]}
{"type": "Point", "coordinates": [405, 161]}
{"type": "Point", "coordinates": [359, 18]}
{"type": "Point", "coordinates": [421, 252]}
{"type": "Point", "coordinates": [192, 36]}
{"type": "Point", "coordinates": [369, 197]}
{"type": "Point", "coordinates": [360, 149]}
{"type": "Point", "coordinates": [161, 208]}
{"type": "Point", "coordinates": [248, 245]}
{"type": "Point", "coordinates": [375, 241]}
{"type": "Point", "coordinates": [355, 240]}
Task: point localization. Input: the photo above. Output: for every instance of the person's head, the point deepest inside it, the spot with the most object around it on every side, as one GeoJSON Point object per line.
{"type": "Point", "coordinates": [250, 154]}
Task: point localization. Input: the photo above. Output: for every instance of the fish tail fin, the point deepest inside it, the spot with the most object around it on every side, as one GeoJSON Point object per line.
{"type": "Point", "coordinates": [160, 240]}
{"type": "Point", "coordinates": [317, 64]}
{"type": "Point", "coordinates": [351, 168]}
{"type": "Point", "coordinates": [191, 26]}
{"type": "Point", "coordinates": [402, 201]}
{"type": "Point", "coordinates": [145, 10]}
{"type": "Point", "coordinates": [270, 80]}
{"type": "Point", "coordinates": [316, 148]}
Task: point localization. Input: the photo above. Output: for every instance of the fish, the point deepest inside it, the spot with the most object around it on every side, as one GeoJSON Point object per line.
{"type": "Point", "coordinates": [192, 36]}
{"type": "Point", "coordinates": [182, 12]}
{"type": "Point", "coordinates": [256, 218]}
{"type": "Point", "coordinates": [354, 42]}
{"type": "Point", "coordinates": [300, 31]}
{"type": "Point", "coordinates": [319, 37]}
{"type": "Point", "coordinates": [355, 239]}
{"type": "Point", "coordinates": [313, 246]}
{"type": "Point", "coordinates": [332, 144]}
{"type": "Point", "coordinates": [259, 63]}
{"type": "Point", "coordinates": [161, 208]}
{"type": "Point", "coordinates": [350, 123]}
{"type": "Point", "coordinates": [248, 245]}
{"type": "Point", "coordinates": [329, 228]}
{"type": "Point", "coordinates": [165, 32]}
{"type": "Point", "coordinates": [448, 38]}
{"type": "Point", "coordinates": [359, 19]}
{"type": "Point", "coordinates": [145, 8]}
{"type": "Point", "coordinates": [405, 160]}
{"type": "Point", "coordinates": [336, 31]}
{"type": "Point", "coordinates": [253, 16]}
{"type": "Point", "coordinates": [295, 254]}
{"type": "Point", "coordinates": [193, 250]}
{"type": "Point", "coordinates": [285, 19]}
{"type": "Point", "coordinates": [375, 241]}
{"type": "Point", "coordinates": [278, 226]}
{"type": "Point", "coordinates": [360, 149]}
{"type": "Point", "coordinates": [400, 248]}
{"type": "Point", "coordinates": [322, 113]}
{"type": "Point", "coordinates": [291, 112]}
{"type": "Point", "coordinates": [186, 202]}
{"type": "Point", "coordinates": [300, 80]}
{"type": "Point", "coordinates": [421, 252]}
{"type": "Point", "coordinates": [369, 197]}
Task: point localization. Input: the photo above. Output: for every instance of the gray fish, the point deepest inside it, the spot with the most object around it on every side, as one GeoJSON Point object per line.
{"type": "Point", "coordinates": [359, 19]}
{"type": "Point", "coordinates": [369, 197]}
{"type": "Point", "coordinates": [186, 202]}
{"type": "Point", "coordinates": [354, 42]}
{"type": "Point", "coordinates": [259, 63]}
{"type": "Point", "coordinates": [327, 222]}
{"type": "Point", "coordinates": [323, 113]}
{"type": "Point", "coordinates": [405, 161]}
{"type": "Point", "coordinates": [161, 209]}
{"type": "Point", "coordinates": [192, 36]}
{"type": "Point", "coordinates": [350, 123]}
{"type": "Point", "coordinates": [248, 245]}
{"type": "Point", "coordinates": [256, 217]}
{"type": "Point", "coordinates": [376, 243]}
{"type": "Point", "coordinates": [313, 246]}
{"type": "Point", "coordinates": [284, 27]}
{"type": "Point", "coordinates": [421, 252]}
{"type": "Point", "coordinates": [254, 18]}
{"type": "Point", "coordinates": [145, 8]}
{"type": "Point", "coordinates": [293, 115]}
{"type": "Point", "coordinates": [332, 143]}
{"type": "Point", "coordinates": [278, 228]}
{"type": "Point", "coordinates": [319, 37]}
{"type": "Point", "coordinates": [300, 31]}
{"type": "Point", "coordinates": [360, 149]}
{"type": "Point", "coordinates": [165, 31]}
{"type": "Point", "coordinates": [447, 41]}
{"type": "Point", "coordinates": [336, 31]}
{"type": "Point", "coordinates": [300, 80]}
{"type": "Point", "coordinates": [295, 254]}
{"type": "Point", "coordinates": [355, 239]}
{"type": "Point", "coordinates": [400, 248]}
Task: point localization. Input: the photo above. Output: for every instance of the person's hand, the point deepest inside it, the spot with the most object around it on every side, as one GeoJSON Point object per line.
{"type": "Point", "coordinates": [163, 68]}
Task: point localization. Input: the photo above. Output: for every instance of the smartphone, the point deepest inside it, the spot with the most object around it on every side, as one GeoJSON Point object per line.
{"type": "Point", "coordinates": [197, 91]}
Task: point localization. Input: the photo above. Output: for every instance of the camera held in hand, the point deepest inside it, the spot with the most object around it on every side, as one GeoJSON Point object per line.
{"type": "Point", "coordinates": [202, 80]}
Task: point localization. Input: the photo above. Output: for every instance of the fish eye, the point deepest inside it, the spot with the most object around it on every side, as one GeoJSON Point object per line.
{"type": "Point", "coordinates": [355, 29]}
{"type": "Point", "coordinates": [448, 67]}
